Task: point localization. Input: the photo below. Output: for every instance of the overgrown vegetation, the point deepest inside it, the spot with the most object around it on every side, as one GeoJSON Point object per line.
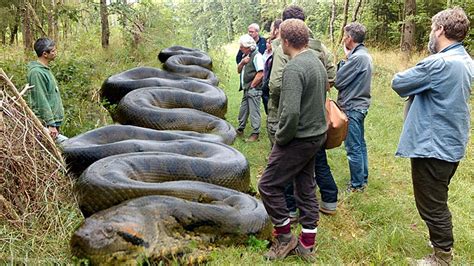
{"type": "Point", "coordinates": [380, 226]}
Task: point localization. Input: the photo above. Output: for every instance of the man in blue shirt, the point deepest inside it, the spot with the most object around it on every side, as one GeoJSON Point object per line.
{"type": "Point", "coordinates": [436, 128]}
{"type": "Point", "coordinates": [353, 80]}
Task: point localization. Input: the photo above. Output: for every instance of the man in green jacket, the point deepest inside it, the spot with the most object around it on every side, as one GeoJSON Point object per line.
{"type": "Point", "coordinates": [44, 98]}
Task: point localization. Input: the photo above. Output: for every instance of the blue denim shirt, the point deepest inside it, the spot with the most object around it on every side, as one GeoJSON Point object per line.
{"type": "Point", "coordinates": [438, 120]}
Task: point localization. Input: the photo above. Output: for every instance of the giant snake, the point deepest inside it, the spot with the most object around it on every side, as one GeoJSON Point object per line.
{"type": "Point", "coordinates": [151, 193]}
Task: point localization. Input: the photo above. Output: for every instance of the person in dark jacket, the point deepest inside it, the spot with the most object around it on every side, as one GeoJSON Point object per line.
{"type": "Point", "coordinates": [353, 82]}
{"type": "Point", "coordinates": [261, 42]}
{"type": "Point", "coordinates": [44, 98]}
{"type": "Point", "coordinates": [301, 132]}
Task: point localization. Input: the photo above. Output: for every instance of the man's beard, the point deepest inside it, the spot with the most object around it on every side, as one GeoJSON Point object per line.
{"type": "Point", "coordinates": [432, 44]}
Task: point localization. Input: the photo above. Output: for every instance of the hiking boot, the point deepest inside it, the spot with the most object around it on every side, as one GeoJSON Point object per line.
{"type": "Point", "coordinates": [327, 211]}
{"type": "Point", "coordinates": [240, 132]}
{"type": "Point", "coordinates": [282, 245]}
{"type": "Point", "coordinates": [253, 138]}
{"type": "Point", "coordinates": [438, 258]}
{"type": "Point", "coordinates": [307, 254]}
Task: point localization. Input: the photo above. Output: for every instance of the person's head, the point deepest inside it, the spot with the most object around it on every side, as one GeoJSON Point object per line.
{"type": "Point", "coordinates": [253, 31]}
{"type": "Point", "coordinates": [45, 48]}
{"type": "Point", "coordinates": [354, 33]}
{"type": "Point", "coordinates": [275, 28]}
{"type": "Point", "coordinates": [269, 44]}
{"type": "Point", "coordinates": [294, 35]}
{"type": "Point", "coordinates": [451, 24]}
{"type": "Point", "coordinates": [247, 44]}
{"type": "Point", "coordinates": [293, 11]}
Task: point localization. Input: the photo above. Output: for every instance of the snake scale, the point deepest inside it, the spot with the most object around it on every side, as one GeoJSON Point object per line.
{"type": "Point", "coordinates": [165, 179]}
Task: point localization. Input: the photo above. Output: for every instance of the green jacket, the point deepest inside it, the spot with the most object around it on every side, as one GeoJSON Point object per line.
{"type": "Point", "coordinates": [303, 93]}
{"type": "Point", "coordinates": [279, 62]}
{"type": "Point", "coordinates": [44, 98]}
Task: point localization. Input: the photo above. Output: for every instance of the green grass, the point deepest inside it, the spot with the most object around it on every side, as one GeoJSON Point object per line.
{"type": "Point", "coordinates": [380, 226]}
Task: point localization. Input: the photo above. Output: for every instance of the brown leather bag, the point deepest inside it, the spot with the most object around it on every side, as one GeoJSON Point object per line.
{"type": "Point", "coordinates": [337, 125]}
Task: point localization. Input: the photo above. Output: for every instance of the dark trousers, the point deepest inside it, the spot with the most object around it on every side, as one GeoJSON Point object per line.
{"type": "Point", "coordinates": [324, 180]}
{"type": "Point", "coordinates": [294, 163]}
{"type": "Point", "coordinates": [431, 179]}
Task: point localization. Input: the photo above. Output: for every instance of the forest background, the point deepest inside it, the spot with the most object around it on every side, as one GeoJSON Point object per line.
{"type": "Point", "coordinates": [97, 39]}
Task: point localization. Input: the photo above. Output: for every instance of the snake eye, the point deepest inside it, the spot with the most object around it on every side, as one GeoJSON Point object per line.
{"type": "Point", "coordinates": [109, 229]}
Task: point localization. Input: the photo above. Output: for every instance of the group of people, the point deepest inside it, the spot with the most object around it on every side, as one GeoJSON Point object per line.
{"type": "Point", "coordinates": [297, 70]}
{"type": "Point", "coordinates": [292, 71]}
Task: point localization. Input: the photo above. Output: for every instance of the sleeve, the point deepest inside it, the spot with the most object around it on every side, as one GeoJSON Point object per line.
{"type": "Point", "coordinates": [348, 72]}
{"type": "Point", "coordinates": [258, 62]}
{"type": "Point", "coordinates": [328, 61]}
{"type": "Point", "coordinates": [412, 81]}
{"type": "Point", "coordinates": [290, 102]}
{"type": "Point", "coordinates": [279, 62]}
{"type": "Point", "coordinates": [38, 98]}
{"type": "Point", "coordinates": [238, 57]}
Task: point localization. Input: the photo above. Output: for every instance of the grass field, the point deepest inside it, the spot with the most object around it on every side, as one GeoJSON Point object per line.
{"type": "Point", "coordinates": [379, 226]}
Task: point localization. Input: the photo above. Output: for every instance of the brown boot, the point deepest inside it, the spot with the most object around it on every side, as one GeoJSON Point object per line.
{"type": "Point", "coordinates": [282, 246]}
{"type": "Point", "coordinates": [253, 138]}
{"type": "Point", "coordinates": [306, 254]}
{"type": "Point", "coordinates": [438, 258]}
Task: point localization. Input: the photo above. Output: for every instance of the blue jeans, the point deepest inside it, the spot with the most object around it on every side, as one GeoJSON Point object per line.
{"type": "Point", "coordinates": [357, 149]}
{"type": "Point", "coordinates": [324, 180]}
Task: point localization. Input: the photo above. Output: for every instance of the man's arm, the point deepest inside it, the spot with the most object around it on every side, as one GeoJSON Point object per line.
{"type": "Point", "coordinates": [290, 101]}
{"type": "Point", "coordinates": [239, 56]}
{"type": "Point", "coordinates": [328, 61]}
{"type": "Point", "coordinates": [412, 81]}
{"type": "Point", "coordinates": [279, 62]}
{"type": "Point", "coordinates": [242, 63]}
{"type": "Point", "coordinates": [348, 72]}
{"type": "Point", "coordinates": [259, 66]}
{"type": "Point", "coordinates": [257, 79]}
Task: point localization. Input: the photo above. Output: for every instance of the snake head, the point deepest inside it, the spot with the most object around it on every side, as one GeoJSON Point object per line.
{"type": "Point", "coordinates": [99, 237]}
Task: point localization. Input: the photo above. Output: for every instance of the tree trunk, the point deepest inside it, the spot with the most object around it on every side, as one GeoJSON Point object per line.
{"type": "Point", "coordinates": [356, 10]}
{"type": "Point", "coordinates": [3, 37]}
{"type": "Point", "coordinates": [14, 31]}
{"type": "Point", "coordinates": [52, 23]}
{"type": "Point", "coordinates": [104, 18]}
{"type": "Point", "coordinates": [27, 31]}
{"type": "Point", "coordinates": [331, 22]}
{"type": "Point", "coordinates": [344, 23]}
{"type": "Point", "coordinates": [408, 28]}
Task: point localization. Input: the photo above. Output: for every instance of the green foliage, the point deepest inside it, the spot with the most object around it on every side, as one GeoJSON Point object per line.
{"type": "Point", "coordinates": [257, 245]}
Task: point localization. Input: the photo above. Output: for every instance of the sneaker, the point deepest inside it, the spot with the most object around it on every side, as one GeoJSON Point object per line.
{"type": "Point", "coordinates": [438, 258]}
{"type": "Point", "coordinates": [307, 254]}
{"type": "Point", "coordinates": [253, 138]}
{"type": "Point", "coordinates": [240, 132]}
{"type": "Point", "coordinates": [327, 211]}
{"type": "Point", "coordinates": [350, 189]}
{"type": "Point", "coordinates": [281, 247]}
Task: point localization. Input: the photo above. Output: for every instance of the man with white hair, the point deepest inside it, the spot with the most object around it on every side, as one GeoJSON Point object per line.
{"type": "Point", "coordinates": [254, 32]}
{"type": "Point", "coordinates": [250, 69]}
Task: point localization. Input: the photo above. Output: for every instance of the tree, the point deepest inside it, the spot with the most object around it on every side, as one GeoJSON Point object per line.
{"type": "Point", "coordinates": [345, 15]}
{"type": "Point", "coordinates": [356, 10]}
{"type": "Point", "coordinates": [104, 19]}
{"type": "Point", "coordinates": [331, 23]}
{"type": "Point", "coordinates": [407, 42]}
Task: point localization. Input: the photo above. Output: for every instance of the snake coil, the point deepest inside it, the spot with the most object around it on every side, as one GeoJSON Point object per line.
{"type": "Point", "coordinates": [122, 169]}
